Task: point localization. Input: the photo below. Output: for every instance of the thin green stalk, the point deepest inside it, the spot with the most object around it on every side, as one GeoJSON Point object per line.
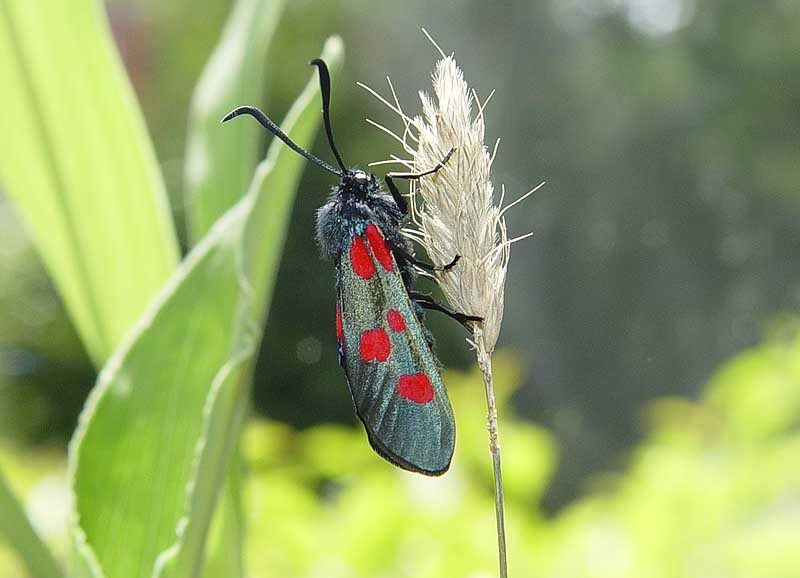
{"type": "Point", "coordinates": [485, 363]}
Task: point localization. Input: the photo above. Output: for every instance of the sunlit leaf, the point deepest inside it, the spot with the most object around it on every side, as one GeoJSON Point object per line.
{"type": "Point", "coordinates": [218, 169]}
{"type": "Point", "coordinates": [76, 160]}
{"type": "Point", "coordinates": [219, 166]}
{"type": "Point", "coordinates": [154, 440]}
{"type": "Point", "coordinates": [225, 544]}
{"type": "Point", "coordinates": [17, 531]}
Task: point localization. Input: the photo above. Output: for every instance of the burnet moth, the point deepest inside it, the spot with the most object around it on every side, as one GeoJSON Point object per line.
{"type": "Point", "coordinates": [385, 350]}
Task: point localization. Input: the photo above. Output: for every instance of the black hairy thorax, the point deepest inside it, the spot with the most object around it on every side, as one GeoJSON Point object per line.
{"type": "Point", "coordinates": [354, 203]}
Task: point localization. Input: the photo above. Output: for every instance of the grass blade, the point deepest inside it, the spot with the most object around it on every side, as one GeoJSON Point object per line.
{"type": "Point", "coordinates": [19, 533]}
{"type": "Point", "coordinates": [225, 543]}
{"type": "Point", "coordinates": [220, 164]}
{"type": "Point", "coordinates": [154, 441]}
{"type": "Point", "coordinates": [76, 160]}
{"type": "Point", "coordinates": [218, 169]}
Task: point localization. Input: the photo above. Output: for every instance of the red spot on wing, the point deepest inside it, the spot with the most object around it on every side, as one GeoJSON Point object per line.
{"type": "Point", "coordinates": [415, 387]}
{"type": "Point", "coordinates": [378, 246]}
{"type": "Point", "coordinates": [339, 330]}
{"type": "Point", "coordinates": [360, 260]}
{"type": "Point", "coordinates": [374, 344]}
{"type": "Point", "coordinates": [396, 320]}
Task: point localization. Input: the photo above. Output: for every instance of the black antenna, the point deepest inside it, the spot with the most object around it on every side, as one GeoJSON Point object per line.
{"type": "Point", "coordinates": [325, 88]}
{"type": "Point", "coordinates": [274, 129]}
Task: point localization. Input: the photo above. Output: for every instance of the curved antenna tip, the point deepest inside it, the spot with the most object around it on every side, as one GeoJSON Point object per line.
{"type": "Point", "coordinates": [268, 124]}
{"type": "Point", "coordinates": [239, 110]}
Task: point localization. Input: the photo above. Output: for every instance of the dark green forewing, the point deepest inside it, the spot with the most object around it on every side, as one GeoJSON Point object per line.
{"type": "Point", "coordinates": [392, 373]}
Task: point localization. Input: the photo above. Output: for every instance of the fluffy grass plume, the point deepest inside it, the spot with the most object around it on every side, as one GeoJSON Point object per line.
{"type": "Point", "coordinates": [453, 212]}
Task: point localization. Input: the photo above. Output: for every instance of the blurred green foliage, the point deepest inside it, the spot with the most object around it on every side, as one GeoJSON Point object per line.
{"type": "Point", "coordinates": [711, 490]}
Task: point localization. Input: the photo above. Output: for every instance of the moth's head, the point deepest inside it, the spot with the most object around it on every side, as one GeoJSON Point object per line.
{"type": "Point", "coordinates": [357, 183]}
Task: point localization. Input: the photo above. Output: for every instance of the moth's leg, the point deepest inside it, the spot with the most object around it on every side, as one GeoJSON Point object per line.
{"type": "Point", "coordinates": [427, 302]}
{"type": "Point", "coordinates": [399, 198]}
{"type": "Point", "coordinates": [396, 195]}
{"type": "Point", "coordinates": [421, 264]}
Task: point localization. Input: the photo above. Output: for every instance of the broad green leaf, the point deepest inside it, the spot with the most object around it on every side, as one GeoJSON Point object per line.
{"type": "Point", "coordinates": [219, 166]}
{"type": "Point", "coordinates": [225, 543]}
{"type": "Point", "coordinates": [76, 160]}
{"type": "Point", "coordinates": [153, 445]}
{"type": "Point", "coordinates": [17, 530]}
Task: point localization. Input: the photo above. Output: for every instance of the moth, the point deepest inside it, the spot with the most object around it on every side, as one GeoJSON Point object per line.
{"type": "Point", "coordinates": [391, 370]}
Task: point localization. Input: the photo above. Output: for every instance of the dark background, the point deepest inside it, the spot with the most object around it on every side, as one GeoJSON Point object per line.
{"type": "Point", "coordinates": [665, 239]}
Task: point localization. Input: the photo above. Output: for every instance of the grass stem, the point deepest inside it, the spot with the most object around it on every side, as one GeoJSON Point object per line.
{"type": "Point", "coordinates": [485, 364]}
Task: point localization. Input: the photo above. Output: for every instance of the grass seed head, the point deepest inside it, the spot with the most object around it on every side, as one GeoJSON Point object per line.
{"type": "Point", "coordinates": [453, 211]}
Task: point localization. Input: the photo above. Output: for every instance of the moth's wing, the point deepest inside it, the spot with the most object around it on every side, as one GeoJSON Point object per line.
{"type": "Point", "coordinates": [393, 376]}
